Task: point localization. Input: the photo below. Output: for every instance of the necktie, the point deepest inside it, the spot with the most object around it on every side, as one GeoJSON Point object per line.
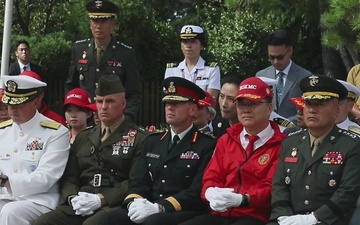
{"type": "Point", "coordinates": [315, 146]}
{"type": "Point", "coordinates": [174, 142]}
{"type": "Point", "coordinates": [250, 147]}
{"type": "Point", "coordinates": [99, 53]}
{"type": "Point", "coordinates": [24, 68]}
{"type": "Point", "coordinates": [279, 87]}
{"type": "Point", "coordinates": [106, 134]}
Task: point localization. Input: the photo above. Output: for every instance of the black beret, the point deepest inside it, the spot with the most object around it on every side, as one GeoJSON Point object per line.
{"type": "Point", "coordinates": [109, 84]}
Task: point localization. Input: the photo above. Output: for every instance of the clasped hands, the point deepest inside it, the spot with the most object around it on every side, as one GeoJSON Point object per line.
{"type": "Point", "coordinates": [86, 203]}
{"type": "Point", "coordinates": [140, 209]}
{"type": "Point", "coordinates": [221, 199]}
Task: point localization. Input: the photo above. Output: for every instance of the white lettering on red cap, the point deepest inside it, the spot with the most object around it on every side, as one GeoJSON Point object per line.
{"type": "Point", "coordinates": [248, 86]}
{"type": "Point", "coordinates": [74, 96]}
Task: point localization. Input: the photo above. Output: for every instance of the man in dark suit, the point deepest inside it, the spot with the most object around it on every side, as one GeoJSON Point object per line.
{"type": "Point", "coordinates": [285, 71]}
{"type": "Point", "coordinates": [101, 161]}
{"type": "Point", "coordinates": [102, 55]}
{"type": "Point", "coordinates": [22, 52]}
{"type": "Point", "coordinates": [166, 187]}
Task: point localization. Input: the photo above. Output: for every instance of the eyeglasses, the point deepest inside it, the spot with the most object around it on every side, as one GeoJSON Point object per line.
{"type": "Point", "coordinates": [249, 104]}
{"type": "Point", "coordinates": [278, 57]}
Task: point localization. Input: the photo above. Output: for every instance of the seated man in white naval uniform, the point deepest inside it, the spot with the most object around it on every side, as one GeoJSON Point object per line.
{"type": "Point", "coordinates": [33, 154]}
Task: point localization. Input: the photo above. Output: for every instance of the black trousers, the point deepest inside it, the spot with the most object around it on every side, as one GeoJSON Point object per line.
{"type": "Point", "coordinates": [210, 219]}
{"type": "Point", "coordinates": [120, 217]}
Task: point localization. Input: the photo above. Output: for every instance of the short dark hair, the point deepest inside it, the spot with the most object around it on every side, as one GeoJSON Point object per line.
{"type": "Point", "coordinates": [21, 42]}
{"type": "Point", "coordinates": [278, 38]}
{"type": "Point", "coordinates": [235, 79]}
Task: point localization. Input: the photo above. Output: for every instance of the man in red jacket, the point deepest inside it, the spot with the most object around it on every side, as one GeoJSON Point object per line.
{"type": "Point", "coordinates": [237, 180]}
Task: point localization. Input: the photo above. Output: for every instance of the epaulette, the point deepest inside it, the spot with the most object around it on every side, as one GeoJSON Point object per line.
{"type": "Point", "coordinates": [349, 133]}
{"type": "Point", "coordinates": [211, 64]}
{"type": "Point", "coordinates": [210, 134]}
{"type": "Point", "coordinates": [139, 128]}
{"type": "Point", "coordinates": [83, 40]}
{"type": "Point", "coordinates": [354, 129]}
{"type": "Point", "coordinates": [283, 122]}
{"type": "Point", "coordinates": [295, 132]}
{"type": "Point", "coordinates": [171, 65]}
{"type": "Point", "coordinates": [6, 123]}
{"type": "Point", "coordinates": [50, 124]}
{"type": "Point", "coordinates": [126, 46]}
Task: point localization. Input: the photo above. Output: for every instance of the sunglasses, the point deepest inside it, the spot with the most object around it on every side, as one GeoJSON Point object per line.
{"type": "Point", "coordinates": [278, 57]}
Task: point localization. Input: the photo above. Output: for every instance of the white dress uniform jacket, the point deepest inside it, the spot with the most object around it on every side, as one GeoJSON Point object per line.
{"type": "Point", "coordinates": [34, 155]}
{"type": "Point", "coordinates": [204, 75]}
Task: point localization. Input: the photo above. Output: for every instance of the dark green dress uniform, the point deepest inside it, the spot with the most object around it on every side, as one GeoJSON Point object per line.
{"type": "Point", "coordinates": [114, 160]}
{"type": "Point", "coordinates": [327, 183]}
{"type": "Point", "coordinates": [117, 59]}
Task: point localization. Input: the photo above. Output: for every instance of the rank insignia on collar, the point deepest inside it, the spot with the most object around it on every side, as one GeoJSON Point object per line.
{"type": "Point", "coordinates": [294, 152]}
{"type": "Point", "coordinates": [84, 55]}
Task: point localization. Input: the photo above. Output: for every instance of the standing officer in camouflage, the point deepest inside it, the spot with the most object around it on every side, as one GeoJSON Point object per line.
{"type": "Point", "coordinates": [166, 187]}
{"type": "Point", "coordinates": [102, 55]}
{"type": "Point", "coordinates": [318, 177]}
{"type": "Point", "coordinates": [102, 159]}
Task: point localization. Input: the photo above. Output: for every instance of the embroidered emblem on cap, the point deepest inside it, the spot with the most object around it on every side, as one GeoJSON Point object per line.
{"type": "Point", "coordinates": [313, 80]}
{"type": "Point", "coordinates": [12, 86]}
{"type": "Point", "coordinates": [188, 30]}
{"type": "Point", "coordinates": [98, 4]}
{"type": "Point", "coordinates": [171, 88]}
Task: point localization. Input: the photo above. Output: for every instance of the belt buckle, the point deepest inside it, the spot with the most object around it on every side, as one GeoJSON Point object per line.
{"type": "Point", "coordinates": [97, 180]}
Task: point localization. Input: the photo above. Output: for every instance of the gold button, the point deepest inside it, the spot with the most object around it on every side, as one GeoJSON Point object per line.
{"type": "Point", "coordinates": [188, 166]}
{"type": "Point", "coordinates": [163, 181]}
{"type": "Point", "coordinates": [97, 70]}
{"type": "Point", "coordinates": [15, 170]}
{"type": "Point", "coordinates": [15, 150]}
{"type": "Point", "coordinates": [306, 202]}
{"type": "Point", "coordinates": [307, 187]}
{"type": "Point", "coordinates": [309, 172]}
{"type": "Point", "coordinates": [21, 134]}
{"type": "Point", "coordinates": [331, 173]}
{"type": "Point", "coordinates": [165, 166]}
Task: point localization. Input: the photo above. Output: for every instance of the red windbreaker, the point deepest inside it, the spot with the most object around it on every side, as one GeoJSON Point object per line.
{"type": "Point", "coordinates": [229, 168]}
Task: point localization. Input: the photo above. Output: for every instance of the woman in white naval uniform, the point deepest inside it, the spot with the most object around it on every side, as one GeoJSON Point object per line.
{"type": "Point", "coordinates": [33, 154]}
{"type": "Point", "coordinates": [206, 75]}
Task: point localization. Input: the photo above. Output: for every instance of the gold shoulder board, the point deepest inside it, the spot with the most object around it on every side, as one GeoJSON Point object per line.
{"type": "Point", "coordinates": [50, 124]}
{"type": "Point", "coordinates": [171, 65]}
{"type": "Point", "coordinates": [283, 122]}
{"type": "Point", "coordinates": [211, 64]}
{"type": "Point", "coordinates": [6, 123]}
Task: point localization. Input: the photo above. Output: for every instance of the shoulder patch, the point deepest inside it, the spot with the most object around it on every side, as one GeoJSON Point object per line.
{"type": "Point", "coordinates": [171, 65]}
{"type": "Point", "coordinates": [50, 124]}
{"type": "Point", "coordinates": [126, 46]}
{"type": "Point", "coordinates": [354, 129]}
{"type": "Point", "coordinates": [211, 64]}
{"type": "Point", "coordinates": [283, 122]}
{"type": "Point", "coordinates": [6, 123]}
{"type": "Point", "coordinates": [349, 133]}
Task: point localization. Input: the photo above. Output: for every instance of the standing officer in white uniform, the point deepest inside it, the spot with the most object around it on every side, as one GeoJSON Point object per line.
{"type": "Point", "coordinates": [194, 68]}
{"type": "Point", "coordinates": [33, 154]}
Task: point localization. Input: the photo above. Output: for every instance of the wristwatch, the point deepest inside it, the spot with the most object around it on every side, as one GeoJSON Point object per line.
{"type": "Point", "coordinates": [3, 179]}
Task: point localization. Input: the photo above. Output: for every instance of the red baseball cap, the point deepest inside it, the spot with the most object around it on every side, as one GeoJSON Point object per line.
{"type": "Point", "coordinates": [78, 97]}
{"type": "Point", "coordinates": [298, 102]}
{"type": "Point", "coordinates": [207, 101]}
{"type": "Point", "coordinates": [30, 74]}
{"type": "Point", "coordinates": [91, 107]}
{"type": "Point", "coordinates": [254, 89]}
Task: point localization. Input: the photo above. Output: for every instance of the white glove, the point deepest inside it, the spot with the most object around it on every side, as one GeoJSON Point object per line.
{"type": "Point", "coordinates": [86, 203]}
{"type": "Point", "coordinates": [214, 193]}
{"type": "Point", "coordinates": [140, 210]}
{"type": "Point", "coordinates": [221, 199]}
{"type": "Point", "coordinates": [299, 220]}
